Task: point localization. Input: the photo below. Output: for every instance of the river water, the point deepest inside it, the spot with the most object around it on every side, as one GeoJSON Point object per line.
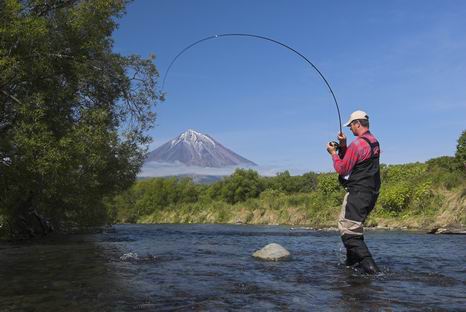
{"type": "Point", "coordinates": [210, 268]}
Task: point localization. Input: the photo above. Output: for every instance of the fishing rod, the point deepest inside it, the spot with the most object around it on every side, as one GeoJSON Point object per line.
{"type": "Point", "coordinates": [257, 37]}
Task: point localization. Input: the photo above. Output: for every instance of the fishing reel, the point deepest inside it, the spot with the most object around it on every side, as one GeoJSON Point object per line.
{"type": "Point", "coordinates": [334, 144]}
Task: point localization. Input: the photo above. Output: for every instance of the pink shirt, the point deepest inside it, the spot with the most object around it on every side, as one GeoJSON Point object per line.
{"type": "Point", "coordinates": [358, 151]}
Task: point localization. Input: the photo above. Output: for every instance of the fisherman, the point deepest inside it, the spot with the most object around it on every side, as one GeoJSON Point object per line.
{"type": "Point", "coordinates": [359, 173]}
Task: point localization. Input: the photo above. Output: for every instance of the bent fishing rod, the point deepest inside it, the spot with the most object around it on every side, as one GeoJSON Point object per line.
{"type": "Point", "coordinates": [257, 37]}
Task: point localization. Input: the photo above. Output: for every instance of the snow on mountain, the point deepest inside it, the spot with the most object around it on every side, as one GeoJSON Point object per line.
{"type": "Point", "coordinates": [193, 148]}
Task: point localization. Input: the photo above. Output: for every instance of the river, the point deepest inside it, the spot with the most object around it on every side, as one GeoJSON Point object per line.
{"type": "Point", "coordinates": [210, 268]}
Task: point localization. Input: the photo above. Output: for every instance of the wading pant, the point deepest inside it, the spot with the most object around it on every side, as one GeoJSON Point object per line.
{"type": "Point", "coordinates": [356, 207]}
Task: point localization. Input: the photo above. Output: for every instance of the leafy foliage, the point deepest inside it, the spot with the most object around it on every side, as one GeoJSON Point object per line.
{"type": "Point", "coordinates": [244, 187]}
{"type": "Point", "coordinates": [241, 185]}
{"type": "Point", "coordinates": [148, 196]}
{"type": "Point", "coordinates": [73, 114]}
{"type": "Point", "coordinates": [395, 197]}
{"type": "Point", "coordinates": [327, 183]}
{"type": "Point", "coordinates": [460, 154]}
{"type": "Point", "coordinates": [288, 184]}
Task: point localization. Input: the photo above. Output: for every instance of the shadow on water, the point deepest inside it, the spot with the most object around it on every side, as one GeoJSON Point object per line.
{"type": "Point", "coordinates": [60, 274]}
{"type": "Point", "coordinates": [358, 292]}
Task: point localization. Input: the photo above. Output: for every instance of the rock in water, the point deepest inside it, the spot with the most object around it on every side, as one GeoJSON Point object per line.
{"type": "Point", "coordinates": [272, 252]}
{"type": "Point", "coordinates": [448, 230]}
{"type": "Point", "coordinates": [130, 256]}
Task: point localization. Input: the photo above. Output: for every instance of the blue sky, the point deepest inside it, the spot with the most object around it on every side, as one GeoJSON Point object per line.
{"type": "Point", "coordinates": [403, 62]}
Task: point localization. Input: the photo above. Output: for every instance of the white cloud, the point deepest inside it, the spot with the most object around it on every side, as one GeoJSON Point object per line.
{"type": "Point", "coordinates": [158, 169]}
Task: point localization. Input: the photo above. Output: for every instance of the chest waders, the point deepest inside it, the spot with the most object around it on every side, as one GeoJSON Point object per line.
{"type": "Point", "coordinates": [363, 189]}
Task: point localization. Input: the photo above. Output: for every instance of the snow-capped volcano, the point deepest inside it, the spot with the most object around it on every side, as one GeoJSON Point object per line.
{"type": "Point", "coordinates": [193, 148]}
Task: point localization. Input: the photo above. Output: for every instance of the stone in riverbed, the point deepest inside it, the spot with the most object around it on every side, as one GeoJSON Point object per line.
{"type": "Point", "coordinates": [448, 230]}
{"type": "Point", "coordinates": [130, 256]}
{"type": "Point", "coordinates": [272, 252]}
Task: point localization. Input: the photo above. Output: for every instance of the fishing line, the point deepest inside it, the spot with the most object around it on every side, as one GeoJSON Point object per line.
{"type": "Point", "coordinates": [258, 37]}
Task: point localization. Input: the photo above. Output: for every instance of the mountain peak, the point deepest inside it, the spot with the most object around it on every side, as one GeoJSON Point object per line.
{"type": "Point", "coordinates": [194, 148]}
{"type": "Point", "coordinates": [191, 136]}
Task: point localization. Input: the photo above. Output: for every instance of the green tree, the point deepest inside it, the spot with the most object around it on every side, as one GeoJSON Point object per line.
{"type": "Point", "coordinates": [73, 114]}
{"type": "Point", "coordinates": [460, 154]}
{"type": "Point", "coordinates": [446, 163]}
{"type": "Point", "coordinates": [308, 182]}
{"type": "Point", "coordinates": [286, 183]}
{"type": "Point", "coordinates": [241, 185]}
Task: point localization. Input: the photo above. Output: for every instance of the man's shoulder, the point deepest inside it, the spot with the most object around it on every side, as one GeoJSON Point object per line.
{"type": "Point", "coordinates": [370, 136]}
{"type": "Point", "coordinates": [362, 139]}
{"type": "Point", "coordinates": [361, 143]}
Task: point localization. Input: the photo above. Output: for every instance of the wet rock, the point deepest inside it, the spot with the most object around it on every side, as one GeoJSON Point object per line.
{"type": "Point", "coordinates": [134, 257]}
{"type": "Point", "coordinates": [147, 306]}
{"type": "Point", "coordinates": [448, 230]}
{"type": "Point", "coordinates": [130, 256]}
{"type": "Point", "coordinates": [272, 252]}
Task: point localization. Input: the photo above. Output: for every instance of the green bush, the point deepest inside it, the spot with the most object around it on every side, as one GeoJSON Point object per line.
{"type": "Point", "coordinates": [446, 163]}
{"type": "Point", "coordinates": [422, 195]}
{"type": "Point", "coordinates": [399, 173]}
{"type": "Point", "coordinates": [460, 154]}
{"type": "Point", "coordinates": [241, 185]}
{"type": "Point", "coordinates": [286, 183]}
{"type": "Point", "coordinates": [271, 199]}
{"type": "Point", "coordinates": [446, 171]}
{"type": "Point", "coordinates": [328, 183]}
{"type": "Point", "coordinates": [395, 197]}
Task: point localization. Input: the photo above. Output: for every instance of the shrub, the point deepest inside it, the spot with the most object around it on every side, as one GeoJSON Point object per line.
{"type": "Point", "coordinates": [328, 183]}
{"type": "Point", "coordinates": [460, 154]}
{"type": "Point", "coordinates": [286, 183]}
{"type": "Point", "coordinates": [422, 195]}
{"type": "Point", "coordinates": [395, 197]}
{"type": "Point", "coordinates": [445, 163]}
{"type": "Point", "coordinates": [446, 171]}
{"type": "Point", "coordinates": [407, 172]}
{"type": "Point", "coordinates": [241, 185]}
{"type": "Point", "coordinates": [271, 199]}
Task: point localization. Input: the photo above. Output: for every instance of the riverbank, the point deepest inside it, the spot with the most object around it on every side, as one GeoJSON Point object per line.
{"type": "Point", "coordinates": [419, 196]}
{"type": "Point", "coordinates": [447, 208]}
{"type": "Point", "coordinates": [416, 196]}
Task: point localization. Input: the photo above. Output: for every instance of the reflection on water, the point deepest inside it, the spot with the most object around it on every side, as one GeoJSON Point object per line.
{"type": "Point", "coordinates": [59, 274]}
{"type": "Point", "coordinates": [209, 267]}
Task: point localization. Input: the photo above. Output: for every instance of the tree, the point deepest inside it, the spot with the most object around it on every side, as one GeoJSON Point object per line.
{"type": "Point", "coordinates": [241, 185]}
{"type": "Point", "coordinates": [284, 182]}
{"type": "Point", "coordinates": [73, 113]}
{"type": "Point", "coordinates": [308, 182]}
{"type": "Point", "coordinates": [460, 154]}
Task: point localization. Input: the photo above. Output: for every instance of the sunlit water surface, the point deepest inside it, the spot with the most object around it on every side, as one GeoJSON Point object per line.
{"type": "Point", "coordinates": [210, 268]}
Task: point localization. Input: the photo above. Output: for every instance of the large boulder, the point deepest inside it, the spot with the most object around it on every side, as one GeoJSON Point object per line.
{"type": "Point", "coordinates": [272, 252]}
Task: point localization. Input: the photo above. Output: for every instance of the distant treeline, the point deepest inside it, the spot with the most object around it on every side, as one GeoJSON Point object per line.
{"type": "Point", "coordinates": [416, 192]}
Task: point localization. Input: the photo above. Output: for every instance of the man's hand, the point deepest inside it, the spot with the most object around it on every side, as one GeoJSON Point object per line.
{"type": "Point", "coordinates": [341, 138]}
{"type": "Point", "coordinates": [331, 149]}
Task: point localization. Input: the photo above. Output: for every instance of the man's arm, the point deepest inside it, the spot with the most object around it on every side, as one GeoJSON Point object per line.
{"type": "Point", "coordinates": [344, 166]}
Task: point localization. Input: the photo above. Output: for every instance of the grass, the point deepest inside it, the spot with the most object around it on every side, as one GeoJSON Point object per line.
{"type": "Point", "coordinates": [445, 207]}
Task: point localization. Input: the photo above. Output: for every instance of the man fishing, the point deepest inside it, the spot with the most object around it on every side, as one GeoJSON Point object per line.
{"type": "Point", "coordinates": [359, 172]}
